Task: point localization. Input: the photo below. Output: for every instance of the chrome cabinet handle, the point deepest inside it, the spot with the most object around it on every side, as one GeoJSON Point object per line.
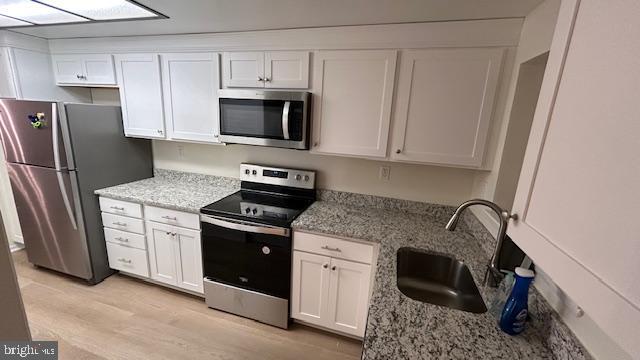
{"type": "Point", "coordinates": [119, 238]}
{"type": "Point", "coordinates": [260, 78]}
{"type": "Point", "coordinates": [118, 223]}
{"type": "Point", "coordinates": [78, 76]}
{"type": "Point", "coordinates": [315, 144]}
{"type": "Point", "coordinates": [117, 208]}
{"type": "Point", "coordinates": [398, 151]}
{"type": "Point", "coordinates": [170, 217]}
{"type": "Point", "coordinates": [170, 233]}
{"type": "Point", "coordinates": [267, 79]}
{"type": "Point", "coordinates": [126, 261]}
{"type": "Point", "coordinates": [326, 247]}
{"type": "Point", "coordinates": [325, 266]}
{"type": "Point", "coordinates": [333, 268]}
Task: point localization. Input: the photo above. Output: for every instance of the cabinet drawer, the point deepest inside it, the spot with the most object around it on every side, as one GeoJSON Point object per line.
{"type": "Point", "coordinates": [120, 207]}
{"type": "Point", "coordinates": [172, 217]}
{"type": "Point", "coordinates": [123, 223]}
{"type": "Point", "coordinates": [337, 248]}
{"type": "Point", "coordinates": [125, 238]}
{"type": "Point", "coordinates": [128, 259]}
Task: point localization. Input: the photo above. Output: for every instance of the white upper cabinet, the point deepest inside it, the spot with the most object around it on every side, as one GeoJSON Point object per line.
{"type": "Point", "coordinates": [352, 105]}
{"type": "Point", "coordinates": [577, 197]}
{"type": "Point", "coordinates": [84, 70]}
{"type": "Point", "coordinates": [257, 69]}
{"type": "Point", "coordinates": [141, 95]}
{"type": "Point", "coordinates": [444, 105]}
{"type": "Point", "coordinates": [286, 69]}
{"type": "Point", "coordinates": [243, 69]}
{"type": "Point", "coordinates": [190, 88]}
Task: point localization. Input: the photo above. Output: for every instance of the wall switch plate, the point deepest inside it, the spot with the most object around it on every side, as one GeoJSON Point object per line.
{"type": "Point", "coordinates": [385, 173]}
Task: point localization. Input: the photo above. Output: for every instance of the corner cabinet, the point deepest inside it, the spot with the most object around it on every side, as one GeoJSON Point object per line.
{"type": "Point", "coordinates": [352, 106]}
{"type": "Point", "coordinates": [331, 282]}
{"type": "Point", "coordinates": [190, 85]}
{"type": "Point", "coordinates": [444, 105]}
{"type": "Point", "coordinates": [271, 69]}
{"type": "Point", "coordinates": [141, 95]}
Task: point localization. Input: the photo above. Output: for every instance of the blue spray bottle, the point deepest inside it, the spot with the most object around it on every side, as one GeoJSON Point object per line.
{"type": "Point", "coordinates": [516, 309]}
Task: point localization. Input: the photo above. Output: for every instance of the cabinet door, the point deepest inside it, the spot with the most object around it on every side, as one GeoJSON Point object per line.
{"type": "Point", "coordinates": [286, 69]}
{"type": "Point", "coordinates": [444, 105]}
{"type": "Point", "coordinates": [348, 296]}
{"type": "Point", "coordinates": [140, 95]}
{"type": "Point", "coordinates": [162, 253]}
{"type": "Point", "coordinates": [7, 85]}
{"type": "Point", "coordinates": [243, 69]}
{"type": "Point", "coordinates": [98, 69]}
{"type": "Point", "coordinates": [188, 259]}
{"type": "Point", "coordinates": [577, 197]}
{"type": "Point", "coordinates": [68, 69]}
{"type": "Point", "coordinates": [310, 287]}
{"type": "Point", "coordinates": [190, 83]}
{"type": "Point", "coordinates": [352, 108]}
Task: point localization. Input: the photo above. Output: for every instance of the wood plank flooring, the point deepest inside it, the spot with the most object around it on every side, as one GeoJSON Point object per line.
{"type": "Point", "coordinates": [125, 318]}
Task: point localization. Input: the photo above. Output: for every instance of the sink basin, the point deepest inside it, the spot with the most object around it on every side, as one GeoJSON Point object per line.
{"type": "Point", "coordinates": [438, 279]}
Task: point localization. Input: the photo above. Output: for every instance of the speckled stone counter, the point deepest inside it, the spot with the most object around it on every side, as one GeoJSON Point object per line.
{"type": "Point", "coordinates": [399, 327]}
{"type": "Point", "coordinates": [174, 190]}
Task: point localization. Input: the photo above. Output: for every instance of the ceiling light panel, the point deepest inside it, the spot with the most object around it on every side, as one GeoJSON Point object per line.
{"type": "Point", "coordinates": [102, 9]}
{"type": "Point", "coordinates": [6, 21]}
{"type": "Point", "coordinates": [36, 13]}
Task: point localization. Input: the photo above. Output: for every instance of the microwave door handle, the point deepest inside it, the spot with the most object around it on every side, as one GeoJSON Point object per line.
{"type": "Point", "coordinates": [285, 119]}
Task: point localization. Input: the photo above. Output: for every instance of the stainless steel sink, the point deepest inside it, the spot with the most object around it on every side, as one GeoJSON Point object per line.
{"type": "Point", "coordinates": [438, 279]}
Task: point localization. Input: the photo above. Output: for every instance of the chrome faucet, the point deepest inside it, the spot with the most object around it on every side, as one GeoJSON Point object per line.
{"type": "Point", "coordinates": [493, 275]}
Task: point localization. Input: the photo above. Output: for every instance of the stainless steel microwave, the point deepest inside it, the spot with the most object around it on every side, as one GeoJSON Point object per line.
{"type": "Point", "coordinates": [263, 117]}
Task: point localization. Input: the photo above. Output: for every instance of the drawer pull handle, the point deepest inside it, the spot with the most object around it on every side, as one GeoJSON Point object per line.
{"type": "Point", "coordinates": [170, 233]}
{"type": "Point", "coordinates": [119, 208]}
{"type": "Point", "coordinates": [170, 218]}
{"type": "Point", "coordinates": [325, 266]}
{"type": "Point", "coordinates": [118, 223]}
{"type": "Point", "coordinates": [126, 261]}
{"type": "Point", "coordinates": [122, 239]}
{"type": "Point", "coordinates": [326, 247]}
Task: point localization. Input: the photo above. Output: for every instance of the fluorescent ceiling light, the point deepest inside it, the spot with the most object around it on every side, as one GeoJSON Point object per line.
{"type": "Point", "coordinates": [36, 13]}
{"type": "Point", "coordinates": [102, 9]}
{"type": "Point", "coordinates": [7, 21]}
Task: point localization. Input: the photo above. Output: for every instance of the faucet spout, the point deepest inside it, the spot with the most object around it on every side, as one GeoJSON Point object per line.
{"type": "Point", "coordinates": [493, 276]}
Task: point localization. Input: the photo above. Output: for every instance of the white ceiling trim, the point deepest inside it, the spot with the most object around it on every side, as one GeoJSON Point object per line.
{"type": "Point", "coordinates": [500, 32]}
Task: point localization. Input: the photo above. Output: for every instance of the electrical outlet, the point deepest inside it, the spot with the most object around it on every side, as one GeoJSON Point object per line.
{"type": "Point", "coordinates": [180, 152]}
{"type": "Point", "coordinates": [385, 173]}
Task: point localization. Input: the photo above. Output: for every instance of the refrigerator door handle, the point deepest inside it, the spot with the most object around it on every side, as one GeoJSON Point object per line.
{"type": "Point", "coordinates": [65, 199]}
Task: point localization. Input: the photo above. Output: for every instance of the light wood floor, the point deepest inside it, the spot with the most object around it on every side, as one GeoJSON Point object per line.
{"type": "Point", "coordinates": [124, 318]}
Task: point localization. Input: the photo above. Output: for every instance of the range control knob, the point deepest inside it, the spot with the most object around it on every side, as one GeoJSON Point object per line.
{"type": "Point", "coordinates": [247, 171]}
{"type": "Point", "coordinates": [254, 172]}
{"type": "Point", "coordinates": [247, 210]}
{"type": "Point", "coordinates": [298, 177]}
{"type": "Point", "coordinates": [255, 211]}
{"type": "Point", "coordinates": [306, 178]}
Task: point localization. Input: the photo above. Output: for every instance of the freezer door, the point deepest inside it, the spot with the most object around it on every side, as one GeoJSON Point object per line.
{"type": "Point", "coordinates": [53, 235]}
{"type": "Point", "coordinates": [25, 143]}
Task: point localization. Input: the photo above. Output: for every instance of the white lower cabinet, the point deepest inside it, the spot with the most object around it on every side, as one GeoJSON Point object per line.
{"type": "Point", "coordinates": [175, 256]}
{"type": "Point", "coordinates": [330, 292]}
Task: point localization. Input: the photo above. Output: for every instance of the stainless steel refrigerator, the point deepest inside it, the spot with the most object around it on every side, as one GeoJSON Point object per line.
{"type": "Point", "coordinates": [57, 155]}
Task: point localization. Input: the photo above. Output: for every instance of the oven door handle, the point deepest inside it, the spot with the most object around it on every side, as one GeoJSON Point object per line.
{"type": "Point", "coordinates": [285, 119]}
{"type": "Point", "coordinates": [245, 226]}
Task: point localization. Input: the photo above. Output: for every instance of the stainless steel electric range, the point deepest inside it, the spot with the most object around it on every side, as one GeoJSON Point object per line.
{"type": "Point", "coordinates": [246, 243]}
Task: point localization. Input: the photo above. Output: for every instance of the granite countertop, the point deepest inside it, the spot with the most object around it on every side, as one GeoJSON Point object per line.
{"type": "Point", "coordinates": [397, 326]}
{"type": "Point", "coordinates": [174, 190]}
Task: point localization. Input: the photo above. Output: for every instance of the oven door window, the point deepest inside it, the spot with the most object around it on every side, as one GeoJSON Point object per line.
{"type": "Point", "coordinates": [258, 262]}
{"type": "Point", "coordinates": [262, 118]}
